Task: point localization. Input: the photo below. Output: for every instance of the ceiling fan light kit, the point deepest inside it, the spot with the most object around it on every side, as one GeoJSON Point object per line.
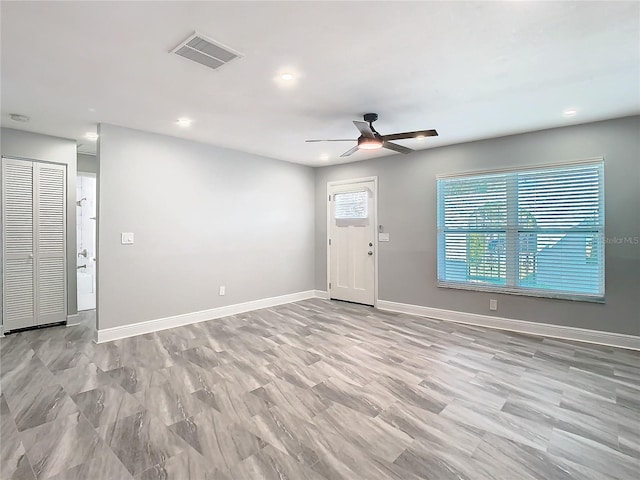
{"type": "Point", "coordinates": [366, 143]}
{"type": "Point", "coordinates": [370, 139]}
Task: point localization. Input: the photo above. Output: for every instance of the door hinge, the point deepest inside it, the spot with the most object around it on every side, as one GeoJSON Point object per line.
{"type": "Point", "coordinates": [329, 197]}
{"type": "Point", "coordinates": [329, 285]}
{"type": "Point", "coordinates": [329, 241]}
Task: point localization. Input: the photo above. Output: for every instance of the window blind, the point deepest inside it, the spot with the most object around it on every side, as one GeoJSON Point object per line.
{"type": "Point", "coordinates": [537, 231]}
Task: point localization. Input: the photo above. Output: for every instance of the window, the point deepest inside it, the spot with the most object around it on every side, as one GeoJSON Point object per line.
{"type": "Point", "coordinates": [537, 231]}
{"type": "Point", "coordinates": [351, 205]}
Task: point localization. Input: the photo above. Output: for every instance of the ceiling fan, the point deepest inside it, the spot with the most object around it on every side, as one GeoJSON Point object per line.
{"type": "Point", "coordinates": [372, 140]}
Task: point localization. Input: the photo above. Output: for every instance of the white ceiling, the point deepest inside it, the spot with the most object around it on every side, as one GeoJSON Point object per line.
{"type": "Point", "coordinates": [471, 70]}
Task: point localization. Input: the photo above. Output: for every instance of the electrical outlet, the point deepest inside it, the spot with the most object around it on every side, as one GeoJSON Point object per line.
{"type": "Point", "coordinates": [223, 290]}
{"type": "Point", "coordinates": [493, 304]}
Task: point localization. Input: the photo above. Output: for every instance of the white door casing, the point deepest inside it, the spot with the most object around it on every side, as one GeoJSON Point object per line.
{"type": "Point", "coordinates": [352, 249]}
{"type": "Point", "coordinates": [34, 238]}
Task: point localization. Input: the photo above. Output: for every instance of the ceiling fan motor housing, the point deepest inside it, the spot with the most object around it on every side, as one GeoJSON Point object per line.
{"type": "Point", "coordinates": [370, 117]}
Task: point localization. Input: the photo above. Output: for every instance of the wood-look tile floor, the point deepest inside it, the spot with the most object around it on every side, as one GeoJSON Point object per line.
{"type": "Point", "coordinates": [317, 390]}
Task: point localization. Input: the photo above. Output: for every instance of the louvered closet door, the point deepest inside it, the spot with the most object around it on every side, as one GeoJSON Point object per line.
{"type": "Point", "coordinates": [33, 232]}
{"type": "Point", "coordinates": [50, 266]}
{"type": "Point", "coordinates": [18, 244]}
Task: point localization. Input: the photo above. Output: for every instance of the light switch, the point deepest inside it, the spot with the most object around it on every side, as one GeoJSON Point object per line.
{"type": "Point", "coordinates": [383, 237]}
{"type": "Point", "coordinates": [127, 238]}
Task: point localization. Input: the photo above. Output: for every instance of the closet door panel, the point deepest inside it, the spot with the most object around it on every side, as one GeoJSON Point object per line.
{"type": "Point", "coordinates": [18, 244]}
{"type": "Point", "coordinates": [50, 192]}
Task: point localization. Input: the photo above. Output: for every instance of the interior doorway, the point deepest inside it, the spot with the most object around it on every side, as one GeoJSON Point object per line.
{"type": "Point", "coordinates": [352, 244]}
{"type": "Point", "coordinates": [86, 240]}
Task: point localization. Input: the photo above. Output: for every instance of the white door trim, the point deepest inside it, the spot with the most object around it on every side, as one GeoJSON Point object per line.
{"type": "Point", "coordinates": [337, 183]}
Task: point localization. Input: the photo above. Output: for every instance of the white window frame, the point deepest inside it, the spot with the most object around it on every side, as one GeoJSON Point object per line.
{"type": "Point", "coordinates": [511, 230]}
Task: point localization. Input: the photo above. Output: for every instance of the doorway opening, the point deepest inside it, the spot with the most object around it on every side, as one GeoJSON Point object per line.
{"type": "Point", "coordinates": [86, 240]}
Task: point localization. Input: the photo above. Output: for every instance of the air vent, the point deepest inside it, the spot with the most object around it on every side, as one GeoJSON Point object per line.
{"type": "Point", "coordinates": [205, 51]}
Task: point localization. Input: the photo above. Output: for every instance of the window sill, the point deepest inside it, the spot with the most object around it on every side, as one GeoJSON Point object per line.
{"type": "Point", "coordinates": [524, 293]}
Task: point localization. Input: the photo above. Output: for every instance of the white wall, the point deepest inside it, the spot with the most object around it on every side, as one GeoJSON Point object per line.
{"type": "Point", "coordinates": [407, 210]}
{"type": "Point", "coordinates": [34, 146]}
{"type": "Point", "coordinates": [87, 163]}
{"type": "Point", "coordinates": [202, 217]}
{"type": "Point", "coordinates": [206, 216]}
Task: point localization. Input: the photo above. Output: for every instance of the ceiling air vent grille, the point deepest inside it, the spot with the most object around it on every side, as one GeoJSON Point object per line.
{"type": "Point", "coordinates": [205, 51]}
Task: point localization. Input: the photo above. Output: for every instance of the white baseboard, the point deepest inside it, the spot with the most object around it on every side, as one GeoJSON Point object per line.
{"type": "Point", "coordinates": [73, 319]}
{"type": "Point", "coordinates": [115, 333]}
{"type": "Point", "coordinates": [533, 328]}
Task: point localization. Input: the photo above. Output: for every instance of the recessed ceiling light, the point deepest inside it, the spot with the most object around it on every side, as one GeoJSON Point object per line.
{"type": "Point", "coordinates": [324, 156]}
{"type": "Point", "coordinates": [570, 112]}
{"type": "Point", "coordinates": [184, 122]}
{"type": "Point", "coordinates": [16, 117]}
{"type": "Point", "coordinates": [91, 136]}
{"type": "Point", "coordinates": [91, 109]}
{"type": "Point", "coordinates": [287, 76]}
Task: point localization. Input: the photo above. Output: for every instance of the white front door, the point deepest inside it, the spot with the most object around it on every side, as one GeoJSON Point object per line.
{"type": "Point", "coordinates": [352, 245]}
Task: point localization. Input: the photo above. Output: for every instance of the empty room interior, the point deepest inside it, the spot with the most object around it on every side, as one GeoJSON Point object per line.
{"type": "Point", "coordinates": [308, 240]}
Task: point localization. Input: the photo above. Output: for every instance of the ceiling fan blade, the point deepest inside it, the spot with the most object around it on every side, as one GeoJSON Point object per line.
{"type": "Point", "coordinates": [364, 128]}
{"type": "Point", "coordinates": [419, 133]}
{"type": "Point", "coordinates": [334, 140]}
{"type": "Point", "coordinates": [350, 151]}
{"type": "Point", "coordinates": [396, 148]}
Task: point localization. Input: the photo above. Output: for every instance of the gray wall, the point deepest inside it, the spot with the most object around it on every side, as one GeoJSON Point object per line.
{"type": "Point", "coordinates": [87, 163]}
{"type": "Point", "coordinates": [202, 217]}
{"type": "Point", "coordinates": [34, 146]}
{"type": "Point", "coordinates": [407, 210]}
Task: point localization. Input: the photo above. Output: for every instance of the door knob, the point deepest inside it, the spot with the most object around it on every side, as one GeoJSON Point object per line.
{"type": "Point", "coordinates": [370, 244]}
{"type": "Point", "coordinates": [369, 252]}
{"type": "Point", "coordinates": [31, 255]}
